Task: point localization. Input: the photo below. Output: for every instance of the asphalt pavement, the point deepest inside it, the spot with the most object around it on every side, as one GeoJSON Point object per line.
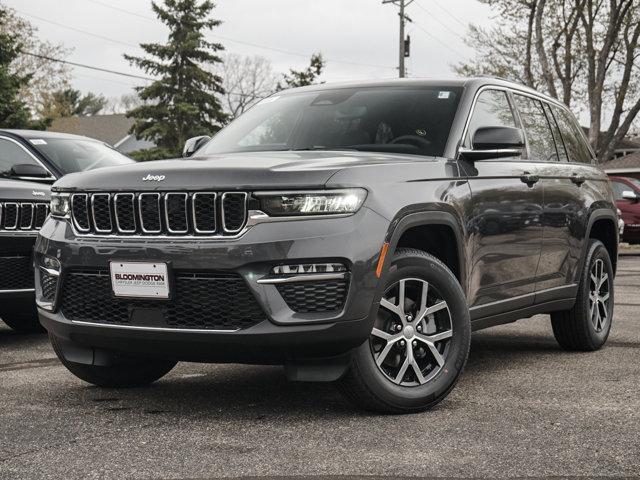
{"type": "Point", "coordinates": [523, 407]}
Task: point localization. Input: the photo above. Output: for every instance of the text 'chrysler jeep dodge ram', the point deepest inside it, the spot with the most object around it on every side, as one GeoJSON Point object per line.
{"type": "Point", "coordinates": [355, 233]}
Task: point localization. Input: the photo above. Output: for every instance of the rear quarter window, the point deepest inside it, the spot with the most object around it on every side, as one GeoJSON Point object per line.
{"type": "Point", "coordinates": [577, 148]}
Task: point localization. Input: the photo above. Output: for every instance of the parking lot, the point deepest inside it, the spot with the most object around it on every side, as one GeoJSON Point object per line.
{"type": "Point", "coordinates": [523, 407]}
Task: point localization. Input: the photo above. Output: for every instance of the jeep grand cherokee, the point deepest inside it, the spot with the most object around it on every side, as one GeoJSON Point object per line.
{"type": "Point", "coordinates": [354, 233]}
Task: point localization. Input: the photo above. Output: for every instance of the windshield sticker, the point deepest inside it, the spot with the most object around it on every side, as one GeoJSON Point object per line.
{"type": "Point", "coordinates": [37, 141]}
{"type": "Point", "coordinates": [443, 95]}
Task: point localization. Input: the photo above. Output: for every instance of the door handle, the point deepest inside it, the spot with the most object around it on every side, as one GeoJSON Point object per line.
{"type": "Point", "coordinates": [578, 179]}
{"type": "Point", "coordinates": [529, 178]}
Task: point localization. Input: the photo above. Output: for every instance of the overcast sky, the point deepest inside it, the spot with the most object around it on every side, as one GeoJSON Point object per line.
{"type": "Point", "coordinates": [358, 37]}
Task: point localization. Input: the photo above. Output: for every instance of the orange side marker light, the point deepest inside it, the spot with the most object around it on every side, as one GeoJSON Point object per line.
{"type": "Point", "coordinates": [383, 254]}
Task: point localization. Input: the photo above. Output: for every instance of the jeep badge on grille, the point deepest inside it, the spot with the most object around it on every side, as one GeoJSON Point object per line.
{"type": "Point", "coordinates": [153, 178]}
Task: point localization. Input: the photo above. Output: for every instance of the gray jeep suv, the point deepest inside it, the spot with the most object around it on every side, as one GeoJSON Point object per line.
{"type": "Point", "coordinates": [354, 233]}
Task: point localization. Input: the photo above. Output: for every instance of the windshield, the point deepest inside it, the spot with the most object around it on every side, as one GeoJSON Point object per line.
{"type": "Point", "coordinates": [402, 120]}
{"type": "Point", "coordinates": [78, 155]}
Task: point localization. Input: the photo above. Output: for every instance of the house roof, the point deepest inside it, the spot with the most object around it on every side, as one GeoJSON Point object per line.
{"type": "Point", "coordinates": [628, 163]}
{"type": "Point", "coordinates": [107, 128]}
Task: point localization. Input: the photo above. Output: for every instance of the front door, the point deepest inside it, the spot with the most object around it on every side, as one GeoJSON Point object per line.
{"type": "Point", "coordinates": [505, 218]}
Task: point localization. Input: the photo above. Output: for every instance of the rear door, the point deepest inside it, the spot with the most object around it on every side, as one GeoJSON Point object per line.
{"type": "Point", "coordinates": [504, 222]}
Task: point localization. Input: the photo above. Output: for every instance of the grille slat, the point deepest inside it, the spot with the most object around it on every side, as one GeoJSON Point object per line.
{"type": "Point", "coordinates": [211, 300]}
{"type": "Point", "coordinates": [23, 216]}
{"type": "Point", "coordinates": [125, 212]}
{"type": "Point", "coordinates": [170, 213]}
{"type": "Point", "coordinates": [234, 211]}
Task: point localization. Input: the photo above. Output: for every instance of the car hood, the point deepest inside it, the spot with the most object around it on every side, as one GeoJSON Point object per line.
{"type": "Point", "coordinates": [21, 190]}
{"type": "Point", "coordinates": [241, 171]}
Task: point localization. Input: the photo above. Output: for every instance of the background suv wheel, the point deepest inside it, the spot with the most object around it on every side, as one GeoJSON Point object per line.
{"type": "Point", "coordinates": [587, 325]}
{"type": "Point", "coordinates": [419, 342]}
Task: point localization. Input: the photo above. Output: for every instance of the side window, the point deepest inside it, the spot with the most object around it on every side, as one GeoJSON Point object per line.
{"type": "Point", "coordinates": [537, 130]}
{"type": "Point", "coordinates": [492, 109]}
{"type": "Point", "coordinates": [12, 154]}
{"type": "Point", "coordinates": [557, 136]}
{"type": "Point", "coordinates": [577, 149]}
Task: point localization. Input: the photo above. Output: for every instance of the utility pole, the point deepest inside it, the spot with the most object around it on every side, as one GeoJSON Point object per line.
{"type": "Point", "coordinates": [403, 45]}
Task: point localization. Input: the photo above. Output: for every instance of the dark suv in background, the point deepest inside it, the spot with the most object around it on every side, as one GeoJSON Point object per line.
{"type": "Point", "coordinates": [354, 233]}
{"type": "Point", "coordinates": [30, 160]}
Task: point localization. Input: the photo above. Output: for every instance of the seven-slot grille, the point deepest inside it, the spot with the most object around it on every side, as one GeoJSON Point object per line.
{"type": "Point", "coordinates": [23, 215]}
{"type": "Point", "coordinates": [166, 213]}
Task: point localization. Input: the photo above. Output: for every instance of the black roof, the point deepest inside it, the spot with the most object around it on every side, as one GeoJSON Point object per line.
{"type": "Point", "coordinates": [471, 82]}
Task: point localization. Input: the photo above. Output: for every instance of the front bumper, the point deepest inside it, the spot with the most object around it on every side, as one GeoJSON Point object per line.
{"type": "Point", "coordinates": [285, 334]}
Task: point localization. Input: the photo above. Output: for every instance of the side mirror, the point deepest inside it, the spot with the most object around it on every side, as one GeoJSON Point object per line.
{"type": "Point", "coordinates": [495, 142]}
{"type": "Point", "coordinates": [193, 144]}
{"type": "Point", "coordinates": [28, 170]}
{"type": "Point", "coordinates": [630, 195]}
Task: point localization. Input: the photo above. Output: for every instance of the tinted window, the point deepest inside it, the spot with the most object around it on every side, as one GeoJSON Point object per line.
{"type": "Point", "coordinates": [557, 137]}
{"type": "Point", "coordinates": [78, 155]}
{"type": "Point", "coordinates": [537, 130]}
{"type": "Point", "coordinates": [491, 110]}
{"type": "Point", "coordinates": [403, 120]}
{"type": "Point", "coordinates": [577, 149]}
{"type": "Point", "coordinates": [12, 154]}
{"type": "Point", "coordinates": [618, 188]}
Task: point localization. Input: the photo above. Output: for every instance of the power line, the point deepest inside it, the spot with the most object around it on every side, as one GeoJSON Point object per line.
{"type": "Point", "coordinates": [437, 4]}
{"type": "Point", "coordinates": [61, 25]}
{"type": "Point", "coordinates": [434, 37]}
{"type": "Point", "coordinates": [90, 67]}
{"type": "Point", "coordinates": [243, 42]}
{"type": "Point", "coordinates": [440, 21]}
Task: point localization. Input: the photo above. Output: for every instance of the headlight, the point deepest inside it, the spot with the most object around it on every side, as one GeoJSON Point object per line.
{"type": "Point", "coordinates": [59, 204]}
{"type": "Point", "coordinates": [328, 202]}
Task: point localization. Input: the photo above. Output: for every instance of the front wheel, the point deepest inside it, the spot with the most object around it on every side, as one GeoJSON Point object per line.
{"type": "Point", "coordinates": [419, 343]}
{"type": "Point", "coordinates": [23, 319]}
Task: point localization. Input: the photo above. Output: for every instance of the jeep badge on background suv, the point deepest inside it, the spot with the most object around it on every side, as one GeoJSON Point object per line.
{"type": "Point", "coordinates": [352, 233]}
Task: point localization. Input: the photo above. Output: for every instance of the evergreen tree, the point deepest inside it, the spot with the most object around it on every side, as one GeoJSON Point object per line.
{"type": "Point", "coordinates": [182, 102]}
{"type": "Point", "coordinates": [14, 112]}
{"type": "Point", "coordinates": [302, 78]}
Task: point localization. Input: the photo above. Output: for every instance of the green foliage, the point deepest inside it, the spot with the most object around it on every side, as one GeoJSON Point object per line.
{"type": "Point", "coordinates": [70, 102]}
{"type": "Point", "coordinates": [156, 153]}
{"type": "Point", "coordinates": [182, 103]}
{"type": "Point", "coordinates": [302, 78]}
{"type": "Point", "coordinates": [14, 112]}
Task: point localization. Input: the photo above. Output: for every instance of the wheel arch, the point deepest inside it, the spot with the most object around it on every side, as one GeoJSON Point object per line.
{"type": "Point", "coordinates": [603, 226]}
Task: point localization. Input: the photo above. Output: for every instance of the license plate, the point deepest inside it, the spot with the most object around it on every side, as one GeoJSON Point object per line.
{"type": "Point", "coordinates": [139, 279]}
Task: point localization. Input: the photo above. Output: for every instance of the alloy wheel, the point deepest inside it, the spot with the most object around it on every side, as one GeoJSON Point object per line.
{"type": "Point", "coordinates": [599, 295]}
{"type": "Point", "coordinates": [412, 333]}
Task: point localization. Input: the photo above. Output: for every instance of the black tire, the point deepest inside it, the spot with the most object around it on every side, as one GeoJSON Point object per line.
{"type": "Point", "coordinates": [136, 372]}
{"type": "Point", "coordinates": [24, 320]}
{"type": "Point", "coordinates": [367, 387]}
{"type": "Point", "coordinates": [574, 329]}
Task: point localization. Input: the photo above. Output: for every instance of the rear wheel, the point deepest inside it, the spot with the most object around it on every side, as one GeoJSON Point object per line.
{"type": "Point", "coordinates": [23, 320]}
{"type": "Point", "coordinates": [419, 342]}
{"type": "Point", "coordinates": [132, 372]}
{"type": "Point", "coordinates": [587, 325]}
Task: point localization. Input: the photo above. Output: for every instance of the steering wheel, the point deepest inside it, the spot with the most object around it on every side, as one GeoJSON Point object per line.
{"type": "Point", "coordinates": [414, 140]}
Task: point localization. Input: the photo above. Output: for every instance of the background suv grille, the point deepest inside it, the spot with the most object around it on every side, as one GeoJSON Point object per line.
{"type": "Point", "coordinates": [169, 213]}
{"type": "Point", "coordinates": [16, 273]}
{"type": "Point", "coordinates": [212, 300]}
{"type": "Point", "coordinates": [23, 215]}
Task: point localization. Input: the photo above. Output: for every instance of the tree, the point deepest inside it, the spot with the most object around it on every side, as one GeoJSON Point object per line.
{"type": "Point", "coordinates": [45, 76]}
{"type": "Point", "coordinates": [182, 102]}
{"type": "Point", "coordinates": [247, 80]}
{"type": "Point", "coordinates": [582, 52]}
{"type": "Point", "coordinates": [301, 78]}
{"type": "Point", "coordinates": [70, 102]}
{"type": "Point", "coordinates": [14, 112]}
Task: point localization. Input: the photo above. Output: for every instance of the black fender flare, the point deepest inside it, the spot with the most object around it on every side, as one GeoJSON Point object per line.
{"type": "Point", "coordinates": [411, 217]}
{"type": "Point", "coordinates": [600, 214]}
